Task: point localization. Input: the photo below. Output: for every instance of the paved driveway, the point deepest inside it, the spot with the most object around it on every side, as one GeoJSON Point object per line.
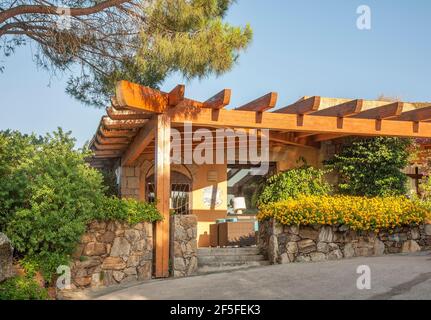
{"type": "Point", "coordinates": [392, 277]}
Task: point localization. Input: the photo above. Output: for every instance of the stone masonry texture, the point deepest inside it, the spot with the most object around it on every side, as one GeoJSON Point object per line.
{"type": "Point", "coordinates": [111, 253]}
{"type": "Point", "coordinates": [286, 244]}
{"type": "Point", "coordinates": [183, 245]}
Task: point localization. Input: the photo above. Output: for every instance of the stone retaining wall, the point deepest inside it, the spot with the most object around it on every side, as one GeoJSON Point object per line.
{"type": "Point", "coordinates": [6, 257]}
{"type": "Point", "coordinates": [285, 244]}
{"type": "Point", "coordinates": [183, 246]}
{"type": "Point", "coordinates": [111, 253]}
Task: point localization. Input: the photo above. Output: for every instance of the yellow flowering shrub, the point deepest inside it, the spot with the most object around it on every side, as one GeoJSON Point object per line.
{"type": "Point", "coordinates": [359, 213]}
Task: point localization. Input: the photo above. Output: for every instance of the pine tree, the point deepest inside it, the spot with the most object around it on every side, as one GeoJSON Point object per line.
{"type": "Point", "coordinates": [143, 41]}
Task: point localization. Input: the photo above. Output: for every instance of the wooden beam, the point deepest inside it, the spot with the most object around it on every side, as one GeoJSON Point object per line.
{"type": "Point", "coordinates": [117, 146]}
{"type": "Point", "coordinates": [285, 138]}
{"type": "Point", "coordinates": [282, 137]}
{"type": "Point", "coordinates": [302, 107]}
{"type": "Point", "coordinates": [189, 104]}
{"type": "Point", "coordinates": [326, 137]}
{"type": "Point", "coordinates": [421, 114]}
{"type": "Point", "coordinates": [115, 114]}
{"type": "Point", "coordinates": [307, 123]}
{"type": "Point", "coordinates": [341, 110]}
{"type": "Point", "coordinates": [219, 101]}
{"type": "Point", "coordinates": [300, 135]}
{"type": "Point", "coordinates": [136, 97]}
{"type": "Point", "coordinates": [103, 140]}
{"type": "Point", "coordinates": [383, 112]}
{"type": "Point", "coordinates": [140, 142]}
{"type": "Point", "coordinates": [261, 104]}
{"type": "Point", "coordinates": [176, 95]}
{"type": "Point", "coordinates": [114, 102]}
{"type": "Point", "coordinates": [163, 189]}
{"type": "Point", "coordinates": [123, 124]}
{"type": "Point", "coordinates": [216, 146]}
{"type": "Point", "coordinates": [107, 154]}
{"type": "Point", "coordinates": [117, 133]}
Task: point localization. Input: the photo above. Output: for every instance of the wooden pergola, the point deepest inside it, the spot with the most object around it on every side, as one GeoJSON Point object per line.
{"type": "Point", "coordinates": [139, 121]}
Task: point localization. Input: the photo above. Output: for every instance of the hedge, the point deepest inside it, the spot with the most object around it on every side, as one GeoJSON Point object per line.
{"type": "Point", "coordinates": [359, 213]}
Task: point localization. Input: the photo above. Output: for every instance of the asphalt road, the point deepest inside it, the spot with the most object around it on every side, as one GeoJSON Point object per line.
{"type": "Point", "coordinates": [391, 277]}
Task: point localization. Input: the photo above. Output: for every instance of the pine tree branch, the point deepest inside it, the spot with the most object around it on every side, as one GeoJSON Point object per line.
{"type": "Point", "coordinates": [54, 10]}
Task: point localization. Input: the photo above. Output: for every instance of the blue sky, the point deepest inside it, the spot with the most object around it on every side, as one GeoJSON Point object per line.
{"type": "Point", "coordinates": [300, 47]}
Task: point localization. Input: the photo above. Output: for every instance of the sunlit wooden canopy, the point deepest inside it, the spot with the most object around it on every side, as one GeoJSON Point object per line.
{"type": "Point", "coordinates": [128, 129]}
{"type": "Point", "coordinates": [140, 119]}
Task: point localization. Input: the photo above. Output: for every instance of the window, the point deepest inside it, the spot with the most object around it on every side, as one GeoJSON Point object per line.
{"type": "Point", "coordinates": [180, 192]}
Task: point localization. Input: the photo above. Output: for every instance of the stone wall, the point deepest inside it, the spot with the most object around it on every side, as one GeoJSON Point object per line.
{"type": "Point", "coordinates": [111, 253]}
{"type": "Point", "coordinates": [285, 244]}
{"type": "Point", "coordinates": [183, 245]}
{"type": "Point", "coordinates": [6, 257]}
{"type": "Point", "coordinates": [129, 185]}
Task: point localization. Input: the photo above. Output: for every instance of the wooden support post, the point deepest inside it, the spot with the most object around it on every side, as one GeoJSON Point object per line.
{"type": "Point", "coordinates": [163, 188]}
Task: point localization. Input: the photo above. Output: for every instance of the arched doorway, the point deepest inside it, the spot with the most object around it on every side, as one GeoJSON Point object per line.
{"type": "Point", "coordinates": [181, 186]}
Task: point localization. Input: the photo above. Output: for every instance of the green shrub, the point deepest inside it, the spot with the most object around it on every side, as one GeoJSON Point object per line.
{"type": "Point", "coordinates": [110, 182]}
{"type": "Point", "coordinates": [48, 195]}
{"type": "Point", "coordinates": [54, 193]}
{"type": "Point", "coordinates": [292, 183]}
{"type": "Point", "coordinates": [22, 288]}
{"type": "Point", "coordinates": [129, 210]}
{"type": "Point", "coordinates": [16, 150]}
{"type": "Point", "coordinates": [372, 167]}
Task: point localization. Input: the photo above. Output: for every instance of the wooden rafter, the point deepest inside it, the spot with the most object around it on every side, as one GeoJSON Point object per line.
{"type": "Point", "coordinates": [261, 104]}
{"type": "Point", "coordinates": [326, 137]}
{"type": "Point", "coordinates": [114, 102]}
{"type": "Point", "coordinates": [282, 137]}
{"type": "Point", "coordinates": [421, 114]}
{"type": "Point", "coordinates": [123, 124]}
{"type": "Point", "coordinates": [103, 140]}
{"type": "Point", "coordinates": [286, 138]}
{"type": "Point", "coordinates": [304, 106]}
{"type": "Point", "coordinates": [306, 122]}
{"type": "Point", "coordinates": [115, 114]}
{"type": "Point", "coordinates": [341, 110]}
{"type": "Point", "coordinates": [140, 98]}
{"type": "Point", "coordinates": [219, 101]}
{"type": "Point", "coordinates": [190, 103]}
{"type": "Point", "coordinates": [106, 133]}
{"type": "Point", "coordinates": [151, 149]}
{"type": "Point", "coordinates": [176, 95]}
{"type": "Point", "coordinates": [383, 112]}
{"type": "Point", "coordinates": [300, 135]}
{"type": "Point", "coordinates": [107, 153]}
{"type": "Point", "coordinates": [117, 146]}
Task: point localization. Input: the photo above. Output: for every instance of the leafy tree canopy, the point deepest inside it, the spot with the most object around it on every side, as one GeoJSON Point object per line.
{"type": "Point", "coordinates": [143, 41]}
{"type": "Point", "coordinates": [372, 167]}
